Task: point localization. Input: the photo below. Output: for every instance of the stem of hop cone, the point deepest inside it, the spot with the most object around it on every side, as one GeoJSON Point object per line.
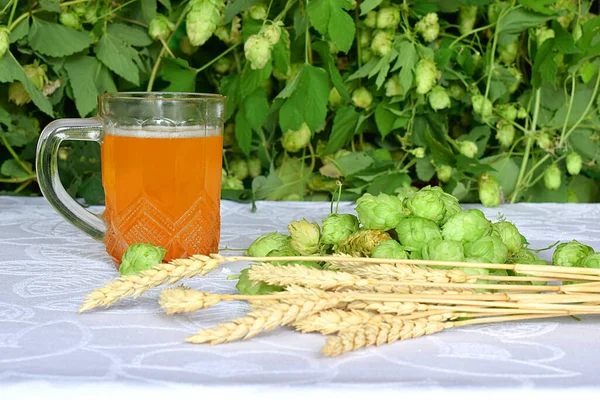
{"type": "Point", "coordinates": [307, 49]}
{"type": "Point", "coordinates": [520, 183]}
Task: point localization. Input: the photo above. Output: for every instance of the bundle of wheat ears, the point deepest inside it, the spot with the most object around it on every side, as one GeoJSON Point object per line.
{"type": "Point", "coordinates": [363, 302]}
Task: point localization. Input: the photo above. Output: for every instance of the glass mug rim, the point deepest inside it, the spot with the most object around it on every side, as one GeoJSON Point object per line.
{"type": "Point", "coordinates": [164, 96]}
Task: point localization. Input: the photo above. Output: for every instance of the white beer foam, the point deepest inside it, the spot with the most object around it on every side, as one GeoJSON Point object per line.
{"type": "Point", "coordinates": [165, 132]}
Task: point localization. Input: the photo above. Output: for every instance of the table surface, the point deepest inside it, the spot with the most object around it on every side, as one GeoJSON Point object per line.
{"type": "Point", "coordinates": [47, 267]}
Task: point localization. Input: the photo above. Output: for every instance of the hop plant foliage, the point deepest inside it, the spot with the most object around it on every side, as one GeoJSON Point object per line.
{"type": "Point", "coordinates": [393, 92]}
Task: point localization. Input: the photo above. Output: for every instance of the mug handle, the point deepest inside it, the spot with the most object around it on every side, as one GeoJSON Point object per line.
{"type": "Point", "coordinates": [89, 129]}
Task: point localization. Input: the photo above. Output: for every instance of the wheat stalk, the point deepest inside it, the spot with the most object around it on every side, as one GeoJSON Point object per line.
{"type": "Point", "coordinates": [259, 320]}
{"type": "Point", "coordinates": [405, 272]}
{"type": "Point", "coordinates": [370, 334]}
{"type": "Point", "coordinates": [135, 285]}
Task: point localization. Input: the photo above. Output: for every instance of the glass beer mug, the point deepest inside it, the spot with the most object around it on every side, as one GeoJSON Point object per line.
{"type": "Point", "coordinates": [161, 171]}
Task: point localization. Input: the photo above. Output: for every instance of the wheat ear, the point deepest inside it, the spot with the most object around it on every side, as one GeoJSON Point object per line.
{"type": "Point", "coordinates": [259, 320]}
{"type": "Point", "coordinates": [377, 334]}
{"type": "Point", "coordinates": [135, 285]}
{"type": "Point", "coordinates": [405, 272]}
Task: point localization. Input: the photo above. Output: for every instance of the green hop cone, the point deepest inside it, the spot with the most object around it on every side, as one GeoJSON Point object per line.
{"type": "Point", "coordinates": [222, 65]}
{"type": "Point", "coordinates": [258, 12]}
{"type": "Point", "coordinates": [418, 152]}
{"type": "Point", "coordinates": [202, 20]}
{"type": "Point", "coordinates": [428, 27]}
{"type": "Point", "coordinates": [388, 17]}
{"type": "Point", "coordinates": [570, 254]}
{"type": "Point", "coordinates": [495, 9]}
{"type": "Point", "coordinates": [477, 271]}
{"type": "Point", "coordinates": [489, 191]}
{"type": "Point", "coordinates": [362, 242]}
{"type": "Point", "coordinates": [444, 173]}
{"type": "Point", "coordinates": [305, 236]}
{"type": "Point", "coordinates": [525, 256]}
{"type": "Point", "coordinates": [233, 183]}
{"type": "Point", "coordinates": [160, 27]}
{"type": "Point", "coordinates": [574, 163]}
{"type": "Point", "coordinates": [257, 50]}
{"type": "Point", "coordinates": [451, 204]}
{"type": "Point", "coordinates": [91, 14]}
{"type": "Point", "coordinates": [382, 212]}
{"type": "Point", "coordinates": [467, 16]}
{"type": "Point", "coordinates": [552, 177]}
{"type": "Point", "coordinates": [467, 226]}
{"type": "Point", "coordinates": [268, 242]}
{"type": "Point", "coordinates": [505, 133]}
{"type": "Point", "coordinates": [4, 40]}
{"type": "Point", "coordinates": [444, 250]}
{"type": "Point", "coordinates": [238, 168]}
{"type": "Point", "coordinates": [186, 47]}
{"type": "Point", "coordinates": [438, 98]}
{"type": "Point", "coordinates": [249, 287]}
{"type": "Point", "coordinates": [381, 44]}
{"type": "Point", "coordinates": [415, 232]}
{"type": "Point", "coordinates": [590, 261]}
{"type": "Point", "coordinates": [16, 91]}
{"type": "Point", "coordinates": [507, 53]}
{"type": "Point", "coordinates": [456, 91]}
{"type": "Point", "coordinates": [542, 34]}
{"type": "Point", "coordinates": [545, 142]}
{"type": "Point", "coordinates": [488, 248]}
{"type": "Point", "coordinates": [334, 99]}
{"type": "Point", "coordinates": [405, 192]}
{"type": "Point", "coordinates": [364, 38]}
{"type": "Point", "coordinates": [426, 75]}
{"type": "Point", "coordinates": [482, 105]}
{"type": "Point", "coordinates": [366, 55]}
{"type": "Point", "coordinates": [426, 204]}
{"type": "Point", "coordinates": [393, 87]}
{"type": "Point", "coordinates": [320, 183]}
{"type": "Point", "coordinates": [508, 112]}
{"type": "Point", "coordinates": [509, 234]}
{"type": "Point", "coordinates": [254, 167]}
{"type": "Point", "coordinates": [389, 249]}
{"type": "Point", "coordinates": [468, 148]}
{"type": "Point", "coordinates": [70, 20]}
{"type": "Point", "coordinates": [271, 32]}
{"type": "Point", "coordinates": [139, 257]}
{"type": "Point", "coordinates": [517, 79]}
{"type": "Point", "coordinates": [370, 20]}
{"type": "Point", "coordinates": [522, 113]}
{"type": "Point", "coordinates": [337, 227]}
{"type": "Point", "coordinates": [294, 141]}
{"type": "Point", "coordinates": [362, 98]}
{"type": "Point", "coordinates": [290, 252]}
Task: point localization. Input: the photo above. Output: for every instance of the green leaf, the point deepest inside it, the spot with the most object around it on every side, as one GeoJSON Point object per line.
{"type": "Point", "coordinates": [505, 170]}
{"type": "Point", "coordinates": [256, 109]}
{"type": "Point", "coordinates": [480, 135]}
{"type": "Point", "coordinates": [552, 97]}
{"type": "Point", "coordinates": [252, 79]}
{"type": "Point", "coordinates": [13, 169]}
{"type": "Point", "coordinates": [516, 21]}
{"type": "Point", "coordinates": [582, 141]}
{"type": "Point", "coordinates": [319, 12]}
{"type": "Point", "coordinates": [368, 5]}
{"type": "Point", "coordinates": [56, 40]}
{"type": "Point", "coordinates": [80, 70]}
{"type": "Point", "coordinates": [23, 130]}
{"type": "Point", "coordinates": [19, 31]}
{"type": "Point", "coordinates": [425, 169]}
{"type": "Point", "coordinates": [299, 22]}
{"type": "Point", "coordinates": [104, 81]}
{"type": "Point", "coordinates": [166, 3]}
{"type": "Point", "coordinates": [383, 68]}
{"type": "Point", "coordinates": [366, 69]}
{"type": "Point", "coordinates": [131, 34]}
{"type": "Point", "coordinates": [281, 53]}
{"type": "Point", "coordinates": [118, 57]}
{"type": "Point", "coordinates": [5, 117]}
{"type": "Point", "coordinates": [243, 133]}
{"type": "Point", "coordinates": [388, 183]}
{"type": "Point", "coordinates": [406, 63]}
{"type": "Point", "coordinates": [308, 103]}
{"type": "Point", "coordinates": [334, 74]}
{"type": "Point", "coordinates": [585, 189]}
{"type": "Point", "coordinates": [91, 190]}
{"type": "Point", "coordinates": [353, 163]}
{"type": "Point", "coordinates": [471, 166]}
{"type": "Point", "coordinates": [148, 9]}
{"type": "Point", "coordinates": [344, 127]}
{"type": "Point", "coordinates": [236, 7]}
{"type": "Point", "coordinates": [545, 68]}
{"type": "Point", "coordinates": [10, 71]}
{"type": "Point", "coordinates": [50, 5]}
{"type": "Point", "coordinates": [387, 120]}
{"type": "Point", "coordinates": [230, 87]}
{"type": "Point", "coordinates": [589, 42]}
{"type": "Point", "coordinates": [539, 6]}
{"type": "Point", "coordinates": [341, 29]}
{"type": "Point", "coordinates": [539, 193]}
{"type": "Point", "coordinates": [563, 41]}
{"type": "Point", "coordinates": [180, 79]}
{"type": "Point", "coordinates": [587, 72]}
{"type": "Point", "coordinates": [583, 97]}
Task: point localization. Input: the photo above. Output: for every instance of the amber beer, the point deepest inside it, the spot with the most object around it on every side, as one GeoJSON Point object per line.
{"type": "Point", "coordinates": [162, 188]}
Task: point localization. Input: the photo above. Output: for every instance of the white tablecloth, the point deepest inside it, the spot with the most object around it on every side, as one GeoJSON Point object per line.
{"type": "Point", "coordinates": [47, 266]}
